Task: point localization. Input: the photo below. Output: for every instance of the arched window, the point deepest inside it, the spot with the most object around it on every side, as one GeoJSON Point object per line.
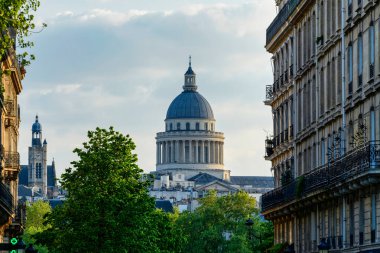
{"type": "Point", "coordinates": [178, 126]}
{"type": "Point", "coordinates": [187, 126]}
{"type": "Point", "coordinates": [360, 59]}
{"type": "Point", "coordinates": [38, 170]}
{"type": "Point", "coordinates": [197, 126]}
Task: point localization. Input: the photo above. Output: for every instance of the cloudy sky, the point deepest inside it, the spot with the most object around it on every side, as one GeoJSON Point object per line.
{"type": "Point", "coordinates": [121, 62]}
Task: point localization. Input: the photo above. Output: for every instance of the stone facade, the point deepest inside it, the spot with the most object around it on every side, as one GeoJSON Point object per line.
{"type": "Point", "coordinates": [325, 100]}
{"type": "Point", "coordinates": [9, 135]}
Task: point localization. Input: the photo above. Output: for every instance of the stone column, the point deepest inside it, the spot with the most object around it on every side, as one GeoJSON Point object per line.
{"type": "Point", "coordinates": [173, 151]}
{"type": "Point", "coordinates": [209, 151]}
{"type": "Point", "coordinates": [217, 153]}
{"type": "Point", "coordinates": [202, 151]}
{"type": "Point", "coordinates": [157, 153]}
{"type": "Point", "coordinates": [183, 151]}
{"type": "Point", "coordinates": [166, 152]}
{"type": "Point", "coordinates": [176, 146]}
{"type": "Point", "coordinates": [163, 152]}
{"type": "Point", "coordinates": [222, 153]}
{"type": "Point", "coordinates": [196, 152]}
{"type": "Point", "coordinates": [190, 152]}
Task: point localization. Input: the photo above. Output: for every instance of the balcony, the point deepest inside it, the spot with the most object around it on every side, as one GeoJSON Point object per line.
{"type": "Point", "coordinates": [6, 204]}
{"type": "Point", "coordinates": [281, 18]}
{"type": "Point", "coordinates": [11, 160]}
{"type": "Point", "coordinates": [269, 93]}
{"type": "Point", "coordinates": [268, 147]}
{"type": "Point", "coordinates": [361, 164]}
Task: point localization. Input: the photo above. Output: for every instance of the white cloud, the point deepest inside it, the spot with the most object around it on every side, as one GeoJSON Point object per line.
{"type": "Point", "coordinates": [107, 65]}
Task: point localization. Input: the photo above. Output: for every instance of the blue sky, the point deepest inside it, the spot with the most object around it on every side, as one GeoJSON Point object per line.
{"type": "Point", "coordinates": [120, 63]}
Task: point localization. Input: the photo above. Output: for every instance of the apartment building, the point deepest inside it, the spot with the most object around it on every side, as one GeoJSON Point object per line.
{"type": "Point", "coordinates": [325, 101]}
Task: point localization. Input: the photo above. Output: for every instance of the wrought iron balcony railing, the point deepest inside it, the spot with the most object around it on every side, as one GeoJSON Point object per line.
{"type": "Point", "coordinates": [11, 159]}
{"type": "Point", "coordinates": [6, 200]}
{"type": "Point", "coordinates": [371, 70]}
{"type": "Point", "coordinates": [354, 164]}
{"type": "Point", "coordinates": [281, 18]}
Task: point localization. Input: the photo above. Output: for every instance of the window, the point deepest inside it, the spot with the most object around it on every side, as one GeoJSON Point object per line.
{"type": "Point", "coordinates": [350, 67]}
{"type": "Point", "coordinates": [371, 41]}
{"type": "Point", "coordinates": [323, 153]}
{"type": "Point", "coordinates": [178, 126]}
{"type": "Point", "coordinates": [373, 218]}
{"type": "Point", "coordinates": [171, 126]}
{"type": "Point", "coordinates": [360, 60]}
{"type": "Point", "coordinates": [206, 127]}
{"type": "Point", "coordinates": [212, 127]}
{"type": "Point", "coordinates": [197, 126]}
{"type": "Point", "coordinates": [187, 126]}
{"type": "Point", "coordinates": [38, 170]}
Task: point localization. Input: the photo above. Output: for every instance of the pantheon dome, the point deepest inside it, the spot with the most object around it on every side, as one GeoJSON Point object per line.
{"type": "Point", "coordinates": [190, 144]}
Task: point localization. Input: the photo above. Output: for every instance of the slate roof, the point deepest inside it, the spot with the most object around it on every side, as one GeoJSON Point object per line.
{"type": "Point", "coordinates": [24, 191]}
{"type": "Point", "coordinates": [256, 182]}
{"type": "Point", "coordinates": [51, 176]}
{"type": "Point", "coordinates": [23, 175]}
{"type": "Point", "coordinates": [165, 205]}
{"type": "Point", "coordinates": [204, 178]}
{"type": "Point", "coordinates": [190, 105]}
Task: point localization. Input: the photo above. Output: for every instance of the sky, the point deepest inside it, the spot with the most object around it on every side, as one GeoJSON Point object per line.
{"type": "Point", "coordinates": [120, 63]}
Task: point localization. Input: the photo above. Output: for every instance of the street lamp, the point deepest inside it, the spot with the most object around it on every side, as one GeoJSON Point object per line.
{"type": "Point", "coordinates": [323, 246]}
{"type": "Point", "coordinates": [249, 224]}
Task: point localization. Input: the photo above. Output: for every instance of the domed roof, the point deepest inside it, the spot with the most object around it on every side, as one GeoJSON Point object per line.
{"type": "Point", "coordinates": [36, 127]}
{"type": "Point", "coordinates": [190, 105]}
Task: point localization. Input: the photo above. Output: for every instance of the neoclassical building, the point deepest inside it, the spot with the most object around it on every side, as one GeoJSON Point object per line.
{"type": "Point", "coordinates": [190, 144]}
{"type": "Point", "coordinates": [325, 103]}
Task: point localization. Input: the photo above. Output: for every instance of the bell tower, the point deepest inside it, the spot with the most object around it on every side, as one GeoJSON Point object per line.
{"type": "Point", "coordinates": [37, 166]}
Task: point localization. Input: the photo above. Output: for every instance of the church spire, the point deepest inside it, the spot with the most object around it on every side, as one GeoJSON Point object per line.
{"type": "Point", "coordinates": [190, 84]}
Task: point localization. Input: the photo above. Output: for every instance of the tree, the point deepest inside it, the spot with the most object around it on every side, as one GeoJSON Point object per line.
{"type": "Point", "coordinates": [218, 225]}
{"type": "Point", "coordinates": [108, 208]}
{"type": "Point", "coordinates": [16, 17]}
{"type": "Point", "coordinates": [35, 214]}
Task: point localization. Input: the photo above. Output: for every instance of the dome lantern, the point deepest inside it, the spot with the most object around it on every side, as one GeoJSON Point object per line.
{"type": "Point", "coordinates": [190, 83]}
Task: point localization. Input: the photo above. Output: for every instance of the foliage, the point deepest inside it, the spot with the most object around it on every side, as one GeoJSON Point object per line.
{"type": "Point", "coordinates": [286, 177]}
{"type": "Point", "coordinates": [299, 186]}
{"type": "Point", "coordinates": [278, 248]}
{"type": "Point", "coordinates": [16, 17]}
{"type": "Point", "coordinates": [108, 208]}
{"type": "Point", "coordinates": [35, 214]}
{"type": "Point", "coordinates": [218, 225]}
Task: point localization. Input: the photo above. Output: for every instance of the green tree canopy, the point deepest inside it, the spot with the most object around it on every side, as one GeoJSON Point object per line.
{"type": "Point", "coordinates": [218, 225]}
{"type": "Point", "coordinates": [17, 18]}
{"type": "Point", "coordinates": [35, 214]}
{"type": "Point", "coordinates": [108, 208]}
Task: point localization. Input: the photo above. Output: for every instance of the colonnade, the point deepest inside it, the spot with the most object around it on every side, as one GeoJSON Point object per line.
{"type": "Point", "coordinates": [190, 151]}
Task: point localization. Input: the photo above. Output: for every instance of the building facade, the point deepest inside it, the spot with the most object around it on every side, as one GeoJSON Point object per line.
{"type": "Point", "coordinates": [10, 219]}
{"type": "Point", "coordinates": [190, 145]}
{"type": "Point", "coordinates": [325, 101]}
